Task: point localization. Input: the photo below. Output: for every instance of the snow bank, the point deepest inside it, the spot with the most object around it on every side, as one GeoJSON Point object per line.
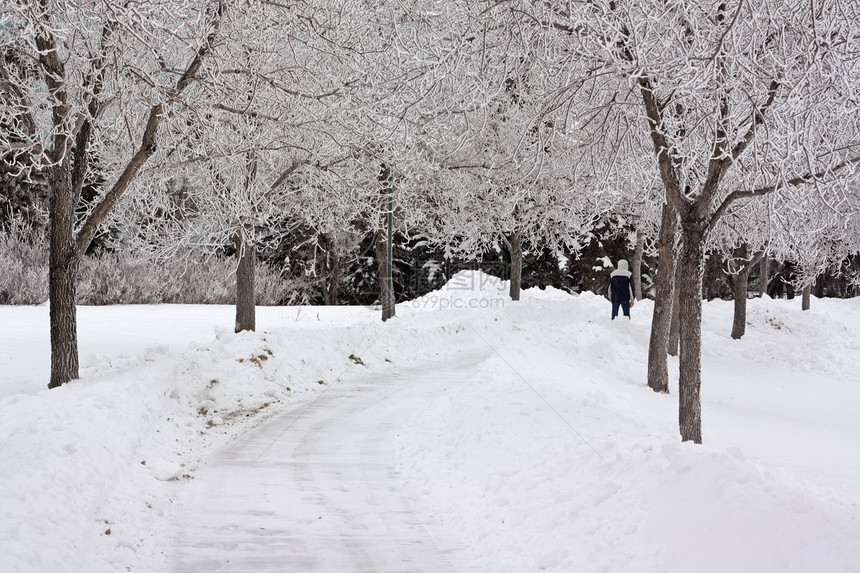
{"type": "Point", "coordinates": [555, 457]}
{"type": "Point", "coordinates": [552, 455]}
{"type": "Point", "coordinates": [126, 423]}
{"type": "Point", "coordinates": [88, 468]}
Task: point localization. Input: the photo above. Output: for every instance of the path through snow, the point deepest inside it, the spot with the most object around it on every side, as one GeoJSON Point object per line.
{"type": "Point", "coordinates": [315, 488]}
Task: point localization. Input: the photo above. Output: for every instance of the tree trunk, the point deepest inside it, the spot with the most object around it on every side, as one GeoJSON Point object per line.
{"type": "Point", "coordinates": [245, 303]}
{"type": "Point", "coordinates": [691, 269]}
{"type": "Point", "coordinates": [739, 291]}
{"type": "Point", "coordinates": [384, 247]}
{"type": "Point", "coordinates": [675, 327]}
{"type": "Point", "coordinates": [788, 277]}
{"type": "Point", "coordinates": [331, 286]}
{"type": "Point", "coordinates": [818, 287]}
{"type": "Point", "coordinates": [658, 372]}
{"type": "Point", "coordinates": [637, 264]}
{"type": "Point", "coordinates": [741, 262]}
{"type": "Point", "coordinates": [713, 277]}
{"type": "Point", "coordinates": [515, 249]}
{"type": "Point", "coordinates": [62, 277]}
{"type": "Point", "coordinates": [763, 265]}
{"type": "Point", "coordinates": [383, 275]}
{"type": "Point", "coordinates": [330, 268]}
{"type": "Point", "coordinates": [807, 291]}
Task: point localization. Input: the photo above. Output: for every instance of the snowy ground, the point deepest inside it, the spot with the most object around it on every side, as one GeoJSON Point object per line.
{"type": "Point", "coordinates": [468, 434]}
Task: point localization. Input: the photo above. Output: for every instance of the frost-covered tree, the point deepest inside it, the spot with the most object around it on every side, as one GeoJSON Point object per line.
{"type": "Point", "coordinates": [409, 116]}
{"type": "Point", "coordinates": [507, 180]}
{"type": "Point", "coordinates": [254, 132]}
{"type": "Point", "coordinates": [732, 101]}
{"type": "Point", "coordinates": [293, 128]}
{"type": "Point", "coordinates": [86, 82]}
{"type": "Point", "coordinates": [741, 240]}
{"type": "Point", "coordinates": [816, 231]}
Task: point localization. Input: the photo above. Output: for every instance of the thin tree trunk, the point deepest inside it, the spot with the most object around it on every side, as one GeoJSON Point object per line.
{"type": "Point", "coordinates": [384, 247]}
{"type": "Point", "coordinates": [739, 292]}
{"type": "Point", "coordinates": [330, 295]}
{"type": "Point", "coordinates": [691, 268]}
{"type": "Point", "coordinates": [515, 249]}
{"type": "Point", "coordinates": [807, 291]}
{"type": "Point", "coordinates": [675, 327]}
{"type": "Point", "coordinates": [818, 287]}
{"type": "Point", "coordinates": [637, 264]}
{"type": "Point", "coordinates": [62, 276]}
{"type": "Point", "coordinates": [331, 286]}
{"type": "Point", "coordinates": [382, 265]}
{"type": "Point", "coordinates": [788, 277]}
{"type": "Point", "coordinates": [658, 372]}
{"type": "Point", "coordinates": [329, 266]}
{"type": "Point", "coordinates": [763, 265]}
{"type": "Point", "coordinates": [64, 178]}
{"type": "Point", "coordinates": [245, 307]}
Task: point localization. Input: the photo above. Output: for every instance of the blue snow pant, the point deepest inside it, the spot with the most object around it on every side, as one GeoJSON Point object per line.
{"type": "Point", "coordinates": [625, 307]}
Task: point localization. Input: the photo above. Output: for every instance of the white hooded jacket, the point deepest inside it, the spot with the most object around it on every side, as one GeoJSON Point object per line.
{"type": "Point", "coordinates": [621, 271]}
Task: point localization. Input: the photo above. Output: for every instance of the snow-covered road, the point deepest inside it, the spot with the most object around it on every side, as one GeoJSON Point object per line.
{"type": "Point", "coordinates": [315, 489]}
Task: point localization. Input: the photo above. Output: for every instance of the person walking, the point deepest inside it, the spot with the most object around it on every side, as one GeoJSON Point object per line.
{"type": "Point", "coordinates": [621, 289]}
